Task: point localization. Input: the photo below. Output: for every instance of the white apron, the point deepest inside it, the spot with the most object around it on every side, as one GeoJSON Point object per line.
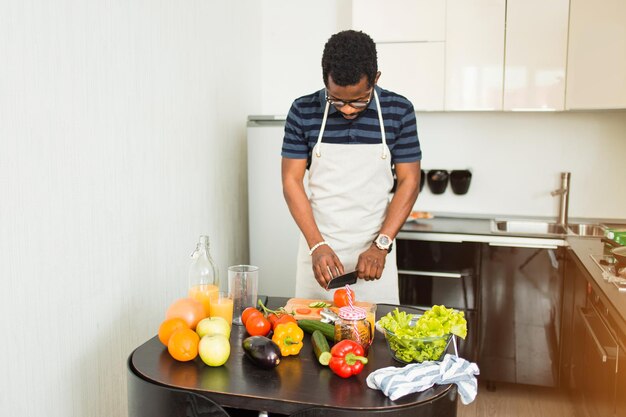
{"type": "Point", "coordinates": [349, 189]}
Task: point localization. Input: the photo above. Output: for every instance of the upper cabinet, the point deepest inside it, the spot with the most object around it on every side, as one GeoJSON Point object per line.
{"type": "Point", "coordinates": [494, 55]}
{"type": "Point", "coordinates": [596, 63]}
{"type": "Point", "coordinates": [400, 20]}
{"type": "Point", "coordinates": [536, 54]}
{"type": "Point", "coordinates": [410, 42]}
{"type": "Point", "coordinates": [414, 70]}
{"type": "Point", "coordinates": [474, 54]}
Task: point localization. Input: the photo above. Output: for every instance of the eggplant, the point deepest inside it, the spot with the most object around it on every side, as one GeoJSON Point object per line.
{"type": "Point", "coordinates": [263, 352]}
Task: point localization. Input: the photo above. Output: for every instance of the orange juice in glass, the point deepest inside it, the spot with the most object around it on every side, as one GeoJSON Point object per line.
{"type": "Point", "coordinates": [202, 293]}
{"type": "Point", "coordinates": [222, 306]}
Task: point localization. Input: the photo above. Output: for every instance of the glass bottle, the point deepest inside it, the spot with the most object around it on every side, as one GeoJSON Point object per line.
{"type": "Point", "coordinates": [353, 324]}
{"type": "Point", "coordinates": [203, 275]}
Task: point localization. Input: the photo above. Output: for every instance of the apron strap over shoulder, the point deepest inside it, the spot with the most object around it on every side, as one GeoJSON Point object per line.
{"type": "Point", "coordinates": [382, 126]}
{"type": "Point", "coordinates": [318, 145]}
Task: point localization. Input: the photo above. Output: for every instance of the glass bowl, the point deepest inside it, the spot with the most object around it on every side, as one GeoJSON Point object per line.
{"type": "Point", "coordinates": [408, 349]}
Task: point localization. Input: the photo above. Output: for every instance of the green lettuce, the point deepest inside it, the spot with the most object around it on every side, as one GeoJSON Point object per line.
{"type": "Point", "coordinates": [428, 338]}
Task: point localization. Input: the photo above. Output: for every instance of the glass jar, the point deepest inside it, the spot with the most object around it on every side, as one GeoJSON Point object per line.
{"type": "Point", "coordinates": [203, 275]}
{"type": "Point", "coordinates": [353, 325]}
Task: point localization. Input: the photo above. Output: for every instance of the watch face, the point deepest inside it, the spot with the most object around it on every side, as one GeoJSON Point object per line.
{"type": "Point", "coordinates": [383, 240]}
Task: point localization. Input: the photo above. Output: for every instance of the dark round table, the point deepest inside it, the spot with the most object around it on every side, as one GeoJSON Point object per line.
{"type": "Point", "coordinates": [161, 386]}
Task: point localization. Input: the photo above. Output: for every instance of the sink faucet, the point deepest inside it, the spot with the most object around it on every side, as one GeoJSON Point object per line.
{"type": "Point", "coordinates": [563, 192]}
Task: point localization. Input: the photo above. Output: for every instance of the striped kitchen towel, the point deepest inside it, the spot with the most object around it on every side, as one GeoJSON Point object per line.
{"type": "Point", "coordinates": [417, 377]}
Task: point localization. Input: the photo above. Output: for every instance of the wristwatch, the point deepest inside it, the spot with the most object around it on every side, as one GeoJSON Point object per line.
{"type": "Point", "coordinates": [383, 242]}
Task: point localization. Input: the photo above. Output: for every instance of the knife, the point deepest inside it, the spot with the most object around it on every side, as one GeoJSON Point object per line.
{"type": "Point", "coordinates": [342, 280]}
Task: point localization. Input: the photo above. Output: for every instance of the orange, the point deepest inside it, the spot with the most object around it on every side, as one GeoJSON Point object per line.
{"type": "Point", "coordinates": [169, 326]}
{"type": "Point", "coordinates": [183, 345]}
{"type": "Point", "coordinates": [188, 309]}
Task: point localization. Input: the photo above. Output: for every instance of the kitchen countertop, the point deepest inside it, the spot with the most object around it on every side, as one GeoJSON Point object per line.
{"type": "Point", "coordinates": [583, 248]}
{"type": "Point", "coordinates": [448, 228]}
{"type": "Point", "coordinates": [458, 228]}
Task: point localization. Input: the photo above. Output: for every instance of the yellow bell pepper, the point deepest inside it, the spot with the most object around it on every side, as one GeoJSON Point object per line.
{"type": "Point", "coordinates": [288, 337]}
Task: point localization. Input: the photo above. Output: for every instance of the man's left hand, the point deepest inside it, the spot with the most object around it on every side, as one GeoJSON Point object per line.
{"type": "Point", "coordinates": [371, 263]}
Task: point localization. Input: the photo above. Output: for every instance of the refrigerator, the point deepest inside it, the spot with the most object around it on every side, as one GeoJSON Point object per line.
{"type": "Point", "coordinates": [273, 234]}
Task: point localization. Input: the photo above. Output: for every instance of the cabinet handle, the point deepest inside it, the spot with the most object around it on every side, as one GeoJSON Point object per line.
{"type": "Point", "coordinates": [522, 245]}
{"type": "Point", "coordinates": [599, 346]}
{"type": "Point", "coordinates": [430, 273]}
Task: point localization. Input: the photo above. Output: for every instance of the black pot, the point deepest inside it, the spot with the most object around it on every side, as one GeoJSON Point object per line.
{"type": "Point", "coordinates": [437, 180]}
{"type": "Point", "coordinates": [620, 257]}
{"type": "Point", "coordinates": [422, 179]}
{"type": "Point", "coordinates": [460, 181]}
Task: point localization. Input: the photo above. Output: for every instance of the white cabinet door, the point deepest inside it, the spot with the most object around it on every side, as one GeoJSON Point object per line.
{"type": "Point", "coordinates": [596, 63]}
{"type": "Point", "coordinates": [400, 20]}
{"type": "Point", "coordinates": [536, 54]}
{"type": "Point", "coordinates": [474, 54]}
{"type": "Point", "coordinates": [414, 70]}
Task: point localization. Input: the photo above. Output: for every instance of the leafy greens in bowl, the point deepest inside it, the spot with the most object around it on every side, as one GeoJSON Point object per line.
{"type": "Point", "coordinates": [419, 338]}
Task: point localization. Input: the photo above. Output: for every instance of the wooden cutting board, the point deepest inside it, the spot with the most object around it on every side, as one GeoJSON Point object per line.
{"type": "Point", "coordinates": [294, 304]}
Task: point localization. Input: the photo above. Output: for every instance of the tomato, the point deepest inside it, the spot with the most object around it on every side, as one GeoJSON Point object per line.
{"type": "Point", "coordinates": [188, 309]}
{"type": "Point", "coordinates": [169, 326]}
{"type": "Point", "coordinates": [284, 318]}
{"type": "Point", "coordinates": [273, 318]}
{"type": "Point", "coordinates": [304, 311]}
{"type": "Point", "coordinates": [246, 313]}
{"type": "Point", "coordinates": [183, 345]}
{"type": "Point", "coordinates": [258, 325]}
{"type": "Point", "coordinates": [341, 297]}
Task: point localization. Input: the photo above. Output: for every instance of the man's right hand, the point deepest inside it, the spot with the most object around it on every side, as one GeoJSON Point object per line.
{"type": "Point", "coordinates": [326, 265]}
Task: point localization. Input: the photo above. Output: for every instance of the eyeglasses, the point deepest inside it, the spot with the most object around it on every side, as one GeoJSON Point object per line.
{"type": "Point", "coordinates": [355, 104]}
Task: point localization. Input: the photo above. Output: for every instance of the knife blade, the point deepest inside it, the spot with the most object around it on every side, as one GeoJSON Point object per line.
{"type": "Point", "coordinates": [342, 280]}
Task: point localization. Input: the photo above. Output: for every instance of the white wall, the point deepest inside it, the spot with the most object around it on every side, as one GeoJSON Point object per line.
{"type": "Point", "coordinates": [122, 138]}
{"type": "Point", "coordinates": [516, 160]}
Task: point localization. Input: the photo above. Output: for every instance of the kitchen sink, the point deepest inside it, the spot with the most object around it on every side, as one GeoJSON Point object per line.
{"type": "Point", "coordinates": [545, 228]}
{"type": "Point", "coordinates": [528, 227]}
{"type": "Point", "coordinates": [586, 229]}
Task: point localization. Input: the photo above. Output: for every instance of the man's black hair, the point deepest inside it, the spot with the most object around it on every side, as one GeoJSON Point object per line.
{"type": "Point", "coordinates": [348, 56]}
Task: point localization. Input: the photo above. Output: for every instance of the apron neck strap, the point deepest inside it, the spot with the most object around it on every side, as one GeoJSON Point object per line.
{"type": "Point", "coordinates": [382, 126]}
{"type": "Point", "coordinates": [318, 145]}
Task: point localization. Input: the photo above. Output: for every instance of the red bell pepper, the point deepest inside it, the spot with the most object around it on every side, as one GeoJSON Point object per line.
{"type": "Point", "coordinates": [347, 358]}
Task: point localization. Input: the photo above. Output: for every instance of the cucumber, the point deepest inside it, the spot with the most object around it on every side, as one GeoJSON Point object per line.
{"type": "Point", "coordinates": [320, 347]}
{"type": "Point", "coordinates": [319, 304]}
{"type": "Point", "coordinates": [309, 326]}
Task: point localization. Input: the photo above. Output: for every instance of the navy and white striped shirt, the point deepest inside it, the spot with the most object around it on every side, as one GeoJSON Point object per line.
{"type": "Point", "coordinates": [305, 118]}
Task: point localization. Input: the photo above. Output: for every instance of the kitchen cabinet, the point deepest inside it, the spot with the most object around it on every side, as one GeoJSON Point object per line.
{"type": "Point", "coordinates": [596, 61]}
{"type": "Point", "coordinates": [474, 54]}
{"type": "Point", "coordinates": [442, 273]}
{"type": "Point", "coordinates": [415, 70]}
{"type": "Point", "coordinates": [410, 38]}
{"type": "Point", "coordinates": [536, 54]}
{"type": "Point", "coordinates": [620, 385]}
{"type": "Point", "coordinates": [574, 297]}
{"type": "Point", "coordinates": [597, 380]}
{"type": "Point", "coordinates": [400, 20]}
{"type": "Point", "coordinates": [520, 301]}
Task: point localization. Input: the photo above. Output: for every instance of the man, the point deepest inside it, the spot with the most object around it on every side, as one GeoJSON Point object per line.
{"type": "Point", "coordinates": [348, 222]}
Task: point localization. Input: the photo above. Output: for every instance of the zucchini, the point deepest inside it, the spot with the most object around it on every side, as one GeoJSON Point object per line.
{"type": "Point", "coordinates": [309, 326]}
{"type": "Point", "coordinates": [320, 347]}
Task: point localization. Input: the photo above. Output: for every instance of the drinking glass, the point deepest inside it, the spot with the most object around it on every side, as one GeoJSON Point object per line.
{"type": "Point", "coordinates": [243, 283]}
{"type": "Point", "coordinates": [222, 306]}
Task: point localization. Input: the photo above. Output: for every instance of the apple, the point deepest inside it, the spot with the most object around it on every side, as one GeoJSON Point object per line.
{"type": "Point", "coordinates": [213, 325]}
{"type": "Point", "coordinates": [214, 350]}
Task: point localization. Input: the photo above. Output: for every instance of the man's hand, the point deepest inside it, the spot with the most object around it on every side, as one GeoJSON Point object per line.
{"type": "Point", "coordinates": [326, 265]}
{"type": "Point", "coordinates": [371, 263]}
